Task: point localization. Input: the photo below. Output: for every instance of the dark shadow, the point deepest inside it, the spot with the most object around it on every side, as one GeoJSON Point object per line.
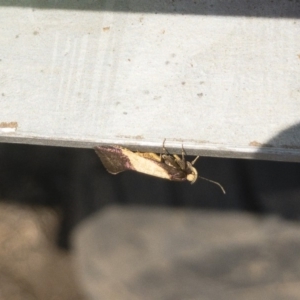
{"type": "Point", "coordinates": [254, 8]}
{"type": "Point", "coordinates": [274, 187]}
{"type": "Point", "coordinates": [283, 147]}
{"type": "Point", "coordinates": [75, 182]}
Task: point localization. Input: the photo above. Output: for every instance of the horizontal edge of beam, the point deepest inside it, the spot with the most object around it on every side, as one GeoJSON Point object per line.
{"type": "Point", "coordinates": [212, 150]}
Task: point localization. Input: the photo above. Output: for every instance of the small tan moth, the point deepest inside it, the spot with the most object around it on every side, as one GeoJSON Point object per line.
{"type": "Point", "coordinates": [117, 159]}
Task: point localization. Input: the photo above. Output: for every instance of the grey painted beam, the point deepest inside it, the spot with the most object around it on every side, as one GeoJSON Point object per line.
{"type": "Point", "coordinates": [222, 86]}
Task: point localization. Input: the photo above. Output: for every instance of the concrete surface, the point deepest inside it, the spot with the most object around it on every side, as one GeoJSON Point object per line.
{"type": "Point", "coordinates": [138, 252]}
{"type": "Point", "coordinates": [31, 266]}
{"type": "Point", "coordinates": [169, 254]}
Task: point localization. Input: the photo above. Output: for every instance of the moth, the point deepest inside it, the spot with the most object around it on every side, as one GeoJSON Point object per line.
{"type": "Point", "coordinates": [117, 159]}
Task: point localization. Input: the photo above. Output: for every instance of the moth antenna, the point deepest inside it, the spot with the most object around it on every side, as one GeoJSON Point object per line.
{"type": "Point", "coordinates": [217, 183]}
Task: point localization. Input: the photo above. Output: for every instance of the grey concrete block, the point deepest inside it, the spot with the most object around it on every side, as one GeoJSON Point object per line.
{"type": "Point", "coordinates": [157, 253]}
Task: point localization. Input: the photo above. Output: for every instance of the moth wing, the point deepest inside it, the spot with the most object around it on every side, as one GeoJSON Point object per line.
{"type": "Point", "coordinates": [149, 155]}
{"type": "Point", "coordinates": [151, 164]}
{"type": "Point", "coordinates": [117, 159]}
{"type": "Point", "coordinates": [113, 159]}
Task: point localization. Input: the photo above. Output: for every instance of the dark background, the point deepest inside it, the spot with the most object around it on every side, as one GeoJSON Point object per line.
{"type": "Point", "coordinates": [77, 185]}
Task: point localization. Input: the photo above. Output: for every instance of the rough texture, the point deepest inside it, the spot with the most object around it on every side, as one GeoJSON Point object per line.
{"type": "Point", "coordinates": [142, 253]}
{"type": "Point", "coordinates": [31, 266]}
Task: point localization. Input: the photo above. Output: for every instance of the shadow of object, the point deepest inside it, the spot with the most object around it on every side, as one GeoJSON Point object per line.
{"type": "Point", "coordinates": [274, 187]}
{"type": "Point", "coordinates": [257, 8]}
{"type": "Point", "coordinates": [67, 179]}
{"type": "Point", "coordinates": [75, 182]}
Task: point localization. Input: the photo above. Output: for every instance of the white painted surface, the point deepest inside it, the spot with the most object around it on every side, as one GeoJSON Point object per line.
{"type": "Point", "coordinates": [223, 86]}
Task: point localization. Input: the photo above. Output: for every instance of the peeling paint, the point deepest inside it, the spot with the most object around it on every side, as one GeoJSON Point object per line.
{"type": "Point", "coordinates": [255, 144]}
{"type": "Point", "coordinates": [7, 127]}
{"type": "Point", "coordinates": [137, 137]}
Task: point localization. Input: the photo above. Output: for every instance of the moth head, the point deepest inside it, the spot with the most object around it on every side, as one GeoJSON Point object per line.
{"type": "Point", "coordinates": [192, 173]}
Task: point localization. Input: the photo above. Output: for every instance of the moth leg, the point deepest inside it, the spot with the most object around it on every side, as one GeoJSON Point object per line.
{"type": "Point", "coordinates": [164, 148]}
{"type": "Point", "coordinates": [183, 153]}
{"type": "Point", "coordinates": [165, 155]}
{"type": "Point", "coordinates": [167, 158]}
{"type": "Point", "coordinates": [180, 161]}
{"type": "Point", "coordinates": [193, 162]}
